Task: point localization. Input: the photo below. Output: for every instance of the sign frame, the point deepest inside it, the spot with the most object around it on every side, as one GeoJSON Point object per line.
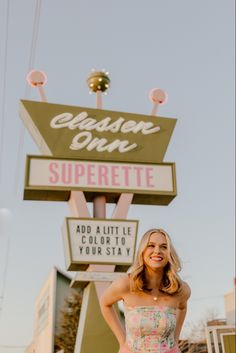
{"type": "Point", "coordinates": [62, 193]}
{"type": "Point", "coordinates": [72, 265]}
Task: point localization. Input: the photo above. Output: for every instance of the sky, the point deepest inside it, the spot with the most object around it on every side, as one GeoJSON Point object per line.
{"type": "Point", "coordinates": [184, 47]}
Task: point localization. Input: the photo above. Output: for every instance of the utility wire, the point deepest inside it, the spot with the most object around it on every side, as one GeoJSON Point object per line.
{"type": "Point", "coordinates": [27, 90]}
{"type": "Point", "coordinates": [2, 294]}
{"type": "Point", "coordinates": [2, 128]}
{"type": "Point", "coordinates": [3, 110]}
{"type": "Point", "coordinates": [21, 137]}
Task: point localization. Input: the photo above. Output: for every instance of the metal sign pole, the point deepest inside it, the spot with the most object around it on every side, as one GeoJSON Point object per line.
{"type": "Point", "coordinates": [88, 327]}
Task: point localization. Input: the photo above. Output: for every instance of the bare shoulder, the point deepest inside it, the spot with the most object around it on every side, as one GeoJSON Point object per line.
{"type": "Point", "coordinates": [185, 292]}
{"type": "Point", "coordinates": [183, 296]}
{"type": "Point", "coordinates": [116, 291]}
{"type": "Point", "coordinates": [122, 283]}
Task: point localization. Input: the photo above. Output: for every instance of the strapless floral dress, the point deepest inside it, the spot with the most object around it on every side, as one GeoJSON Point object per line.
{"type": "Point", "coordinates": [150, 329]}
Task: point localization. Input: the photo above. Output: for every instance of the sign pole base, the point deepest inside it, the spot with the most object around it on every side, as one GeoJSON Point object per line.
{"type": "Point", "coordinates": [93, 335]}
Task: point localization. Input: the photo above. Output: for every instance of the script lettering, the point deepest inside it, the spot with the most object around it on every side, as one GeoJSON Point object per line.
{"type": "Point", "coordinates": [86, 124]}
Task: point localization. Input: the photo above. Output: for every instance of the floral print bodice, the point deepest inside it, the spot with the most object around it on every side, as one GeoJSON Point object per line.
{"type": "Point", "coordinates": [150, 329]}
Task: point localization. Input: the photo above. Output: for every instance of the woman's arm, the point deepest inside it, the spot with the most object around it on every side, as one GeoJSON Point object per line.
{"type": "Point", "coordinates": [182, 310]}
{"type": "Point", "coordinates": [113, 294]}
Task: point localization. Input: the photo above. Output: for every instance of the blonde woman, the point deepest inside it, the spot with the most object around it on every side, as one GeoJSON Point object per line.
{"type": "Point", "coordinates": [154, 296]}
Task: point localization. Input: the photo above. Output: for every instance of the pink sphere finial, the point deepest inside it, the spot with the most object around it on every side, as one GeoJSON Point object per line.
{"type": "Point", "coordinates": [36, 78]}
{"type": "Point", "coordinates": [158, 96]}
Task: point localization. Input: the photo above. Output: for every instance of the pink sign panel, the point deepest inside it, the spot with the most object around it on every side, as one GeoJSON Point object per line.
{"type": "Point", "coordinates": [53, 178]}
{"type": "Point", "coordinates": [99, 175]}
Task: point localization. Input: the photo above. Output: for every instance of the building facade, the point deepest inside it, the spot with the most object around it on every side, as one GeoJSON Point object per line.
{"type": "Point", "coordinates": [48, 304]}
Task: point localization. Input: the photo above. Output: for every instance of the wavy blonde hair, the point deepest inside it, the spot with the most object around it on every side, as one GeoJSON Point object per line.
{"type": "Point", "coordinates": [171, 282]}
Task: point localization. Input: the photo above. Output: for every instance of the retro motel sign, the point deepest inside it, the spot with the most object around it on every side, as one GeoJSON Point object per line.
{"type": "Point", "coordinates": [101, 156]}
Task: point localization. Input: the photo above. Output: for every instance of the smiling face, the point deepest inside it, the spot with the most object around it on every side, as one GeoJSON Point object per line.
{"type": "Point", "coordinates": [156, 254]}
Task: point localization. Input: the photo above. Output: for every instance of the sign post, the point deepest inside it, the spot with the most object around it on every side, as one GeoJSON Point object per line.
{"type": "Point", "coordinates": [99, 156]}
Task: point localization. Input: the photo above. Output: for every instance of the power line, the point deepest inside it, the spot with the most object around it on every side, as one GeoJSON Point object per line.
{"type": "Point", "coordinates": [27, 89]}
{"type": "Point", "coordinates": [4, 91]}
{"type": "Point", "coordinates": [2, 295]}
{"type": "Point", "coordinates": [21, 138]}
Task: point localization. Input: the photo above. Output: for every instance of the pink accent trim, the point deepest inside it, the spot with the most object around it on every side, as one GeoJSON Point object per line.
{"type": "Point", "coordinates": [42, 94]}
{"type": "Point", "coordinates": [154, 108]}
{"type": "Point", "coordinates": [77, 205]}
{"type": "Point", "coordinates": [122, 207]}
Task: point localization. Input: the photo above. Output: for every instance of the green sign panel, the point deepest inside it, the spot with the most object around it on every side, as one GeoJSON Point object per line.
{"type": "Point", "coordinates": [77, 132]}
